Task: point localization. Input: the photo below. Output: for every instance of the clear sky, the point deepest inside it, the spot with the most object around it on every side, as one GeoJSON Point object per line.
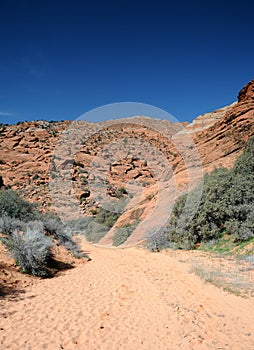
{"type": "Point", "coordinates": [60, 59]}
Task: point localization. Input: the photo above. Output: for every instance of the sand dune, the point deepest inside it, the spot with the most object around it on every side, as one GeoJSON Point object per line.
{"type": "Point", "coordinates": [127, 299]}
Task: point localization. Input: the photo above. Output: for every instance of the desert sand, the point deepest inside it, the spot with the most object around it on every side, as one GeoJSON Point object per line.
{"type": "Point", "coordinates": [126, 299]}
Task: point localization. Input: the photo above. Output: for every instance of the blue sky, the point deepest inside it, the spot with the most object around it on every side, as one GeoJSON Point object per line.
{"type": "Point", "coordinates": [60, 59]}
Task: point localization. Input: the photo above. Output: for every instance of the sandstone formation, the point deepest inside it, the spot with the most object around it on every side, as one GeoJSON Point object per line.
{"type": "Point", "coordinates": [120, 160]}
{"type": "Point", "coordinates": [247, 92]}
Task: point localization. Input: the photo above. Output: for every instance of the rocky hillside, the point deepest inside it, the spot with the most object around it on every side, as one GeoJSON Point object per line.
{"type": "Point", "coordinates": [133, 163]}
{"type": "Point", "coordinates": [221, 143]}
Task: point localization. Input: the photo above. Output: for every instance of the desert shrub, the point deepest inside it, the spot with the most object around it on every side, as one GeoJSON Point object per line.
{"type": "Point", "coordinates": [106, 217]}
{"type": "Point", "coordinates": [65, 239]}
{"type": "Point", "coordinates": [11, 204]}
{"type": "Point", "coordinates": [8, 224]}
{"type": "Point", "coordinates": [36, 226]}
{"type": "Point", "coordinates": [92, 230]}
{"type": "Point", "coordinates": [28, 234]}
{"type": "Point", "coordinates": [242, 230]}
{"type": "Point", "coordinates": [95, 232]}
{"type": "Point", "coordinates": [81, 255]}
{"type": "Point", "coordinates": [55, 228]}
{"type": "Point", "coordinates": [226, 203]}
{"type": "Point", "coordinates": [122, 190]}
{"type": "Point", "coordinates": [78, 225]}
{"type": "Point", "coordinates": [32, 251]}
{"type": "Point", "coordinates": [123, 233]}
{"type": "Point", "coordinates": [245, 163]}
{"type": "Point", "coordinates": [158, 240]}
{"type": "Point", "coordinates": [52, 224]}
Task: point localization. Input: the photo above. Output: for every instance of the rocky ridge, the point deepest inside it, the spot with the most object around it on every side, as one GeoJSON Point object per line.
{"type": "Point", "coordinates": [124, 160]}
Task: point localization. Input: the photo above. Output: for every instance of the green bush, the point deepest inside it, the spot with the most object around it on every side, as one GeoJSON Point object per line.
{"type": "Point", "coordinates": [226, 203]}
{"type": "Point", "coordinates": [106, 217]}
{"type": "Point", "coordinates": [120, 192]}
{"type": "Point", "coordinates": [123, 233]}
{"type": "Point", "coordinates": [95, 232]}
{"type": "Point", "coordinates": [92, 230]}
{"type": "Point", "coordinates": [12, 205]}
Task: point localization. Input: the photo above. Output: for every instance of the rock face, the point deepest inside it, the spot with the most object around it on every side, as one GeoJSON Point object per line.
{"type": "Point", "coordinates": [120, 156]}
{"type": "Point", "coordinates": [247, 92]}
{"type": "Point", "coordinates": [25, 157]}
{"type": "Point", "coordinates": [221, 143]}
{"type": "Point", "coordinates": [204, 121]}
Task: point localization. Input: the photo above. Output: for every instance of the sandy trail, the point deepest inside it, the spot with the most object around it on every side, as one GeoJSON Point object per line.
{"type": "Point", "coordinates": [127, 299]}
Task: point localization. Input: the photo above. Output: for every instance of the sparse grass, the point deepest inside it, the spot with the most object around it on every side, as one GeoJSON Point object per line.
{"type": "Point", "coordinates": [226, 245]}
{"type": "Point", "coordinates": [233, 280]}
{"type": "Point", "coordinates": [233, 265]}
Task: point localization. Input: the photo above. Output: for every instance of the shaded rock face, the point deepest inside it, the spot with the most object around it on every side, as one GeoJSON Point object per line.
{"type": "Point", "coordinates": [247, 92]}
